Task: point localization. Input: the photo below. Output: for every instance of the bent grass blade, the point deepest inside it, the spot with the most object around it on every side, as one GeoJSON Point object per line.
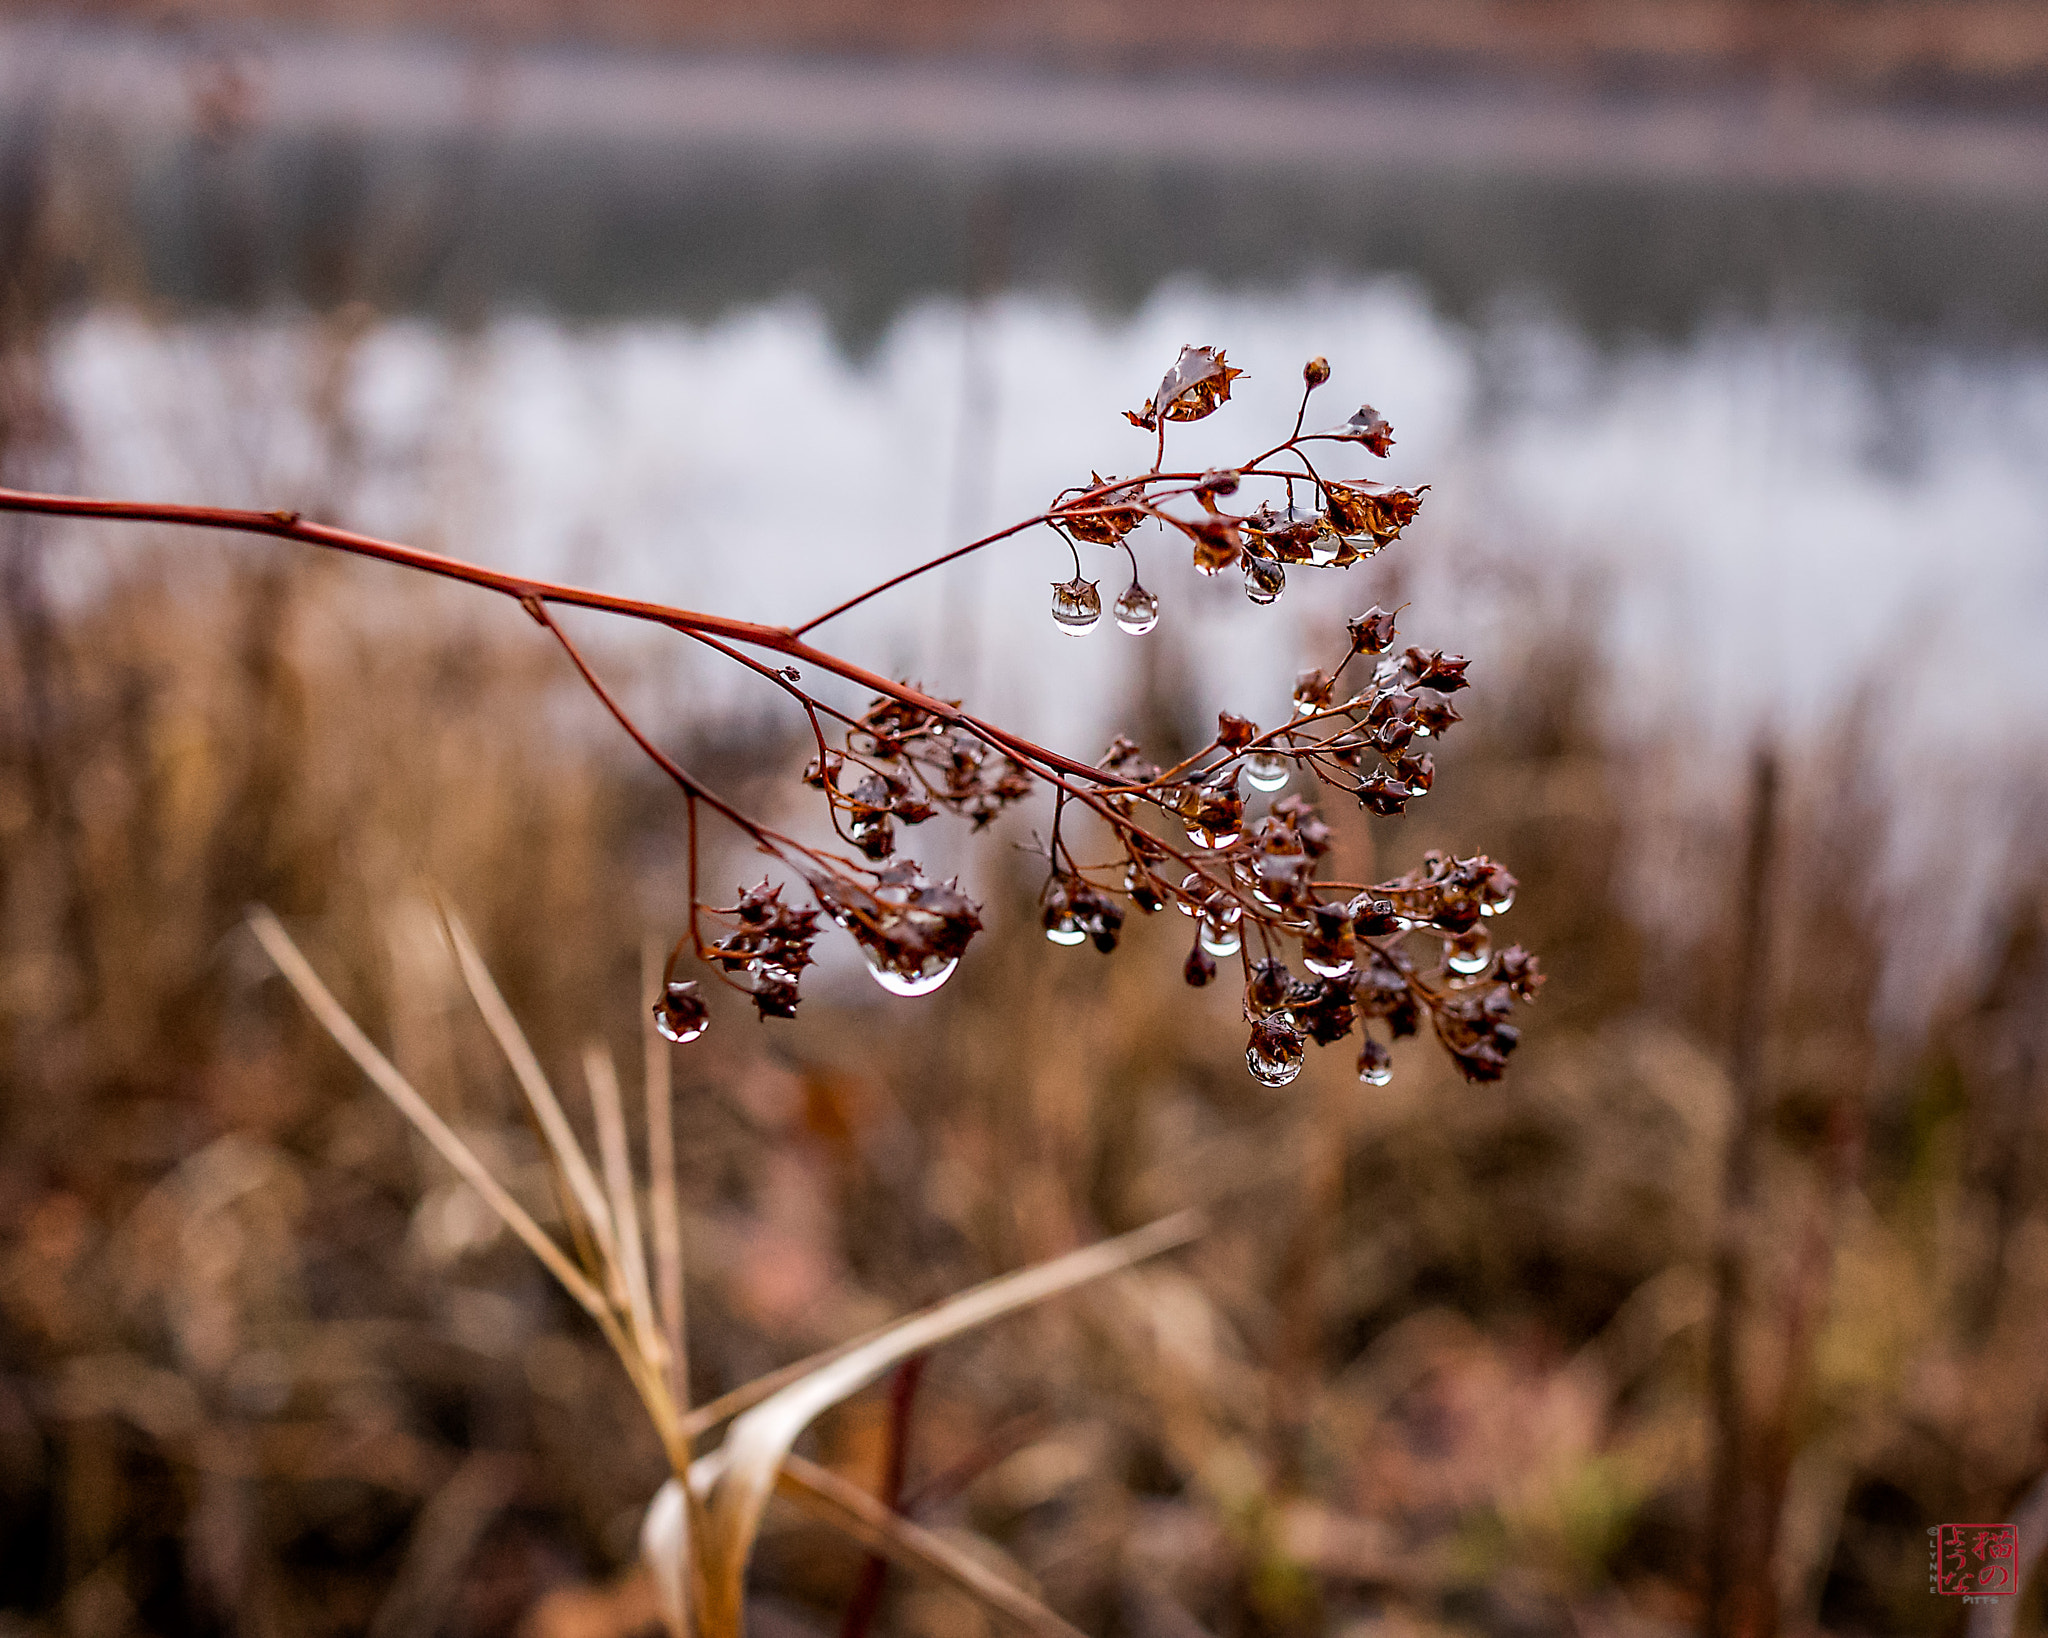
{"type": "Point", "coordinates": [759, 1443]}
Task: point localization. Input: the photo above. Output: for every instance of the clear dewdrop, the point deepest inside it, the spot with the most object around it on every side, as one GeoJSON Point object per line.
{"type": "Point", "coordinates": [1066, 930]}
{"type": "Point", "coordinates": [1076, 606]}
{"type": "Point", "coordinates": [1221, 938]}
{"type": "Point", "coordinates": [680, 1014]}
{"type": "Point", "coordinates": [934, 972]}
{"type": "Point", "coordinates": [1469, 953]}
{"type": "Point", "coordinates": [1264, 580]}
{"type": "Point", "coordinates": [1275, 1054]}
{"type": "Point", "coordinates": [1137, 611]}
{"type": "Point", "coordinates": [1266, 772]}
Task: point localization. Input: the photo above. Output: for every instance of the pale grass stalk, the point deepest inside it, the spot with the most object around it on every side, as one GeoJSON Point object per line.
{"type": "Point", "coordinates": [701, 1528]}
{"type": "Point", "coordinates": [663, 1202]}
{"type": "Point", "coordinates": [605, 1102]}
{"type": "Point", "coordinates": [760, 1439]}
{"type": "Point", "coordinates": [333, 1018]}
{"type": "Point", "coordinates": [547, 1109]}
{"type": "Point", "coordinates": [840, 1502]}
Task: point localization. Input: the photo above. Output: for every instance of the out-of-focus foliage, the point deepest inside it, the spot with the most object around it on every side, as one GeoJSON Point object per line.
{"type": "Point", "coordinates": [265, 1363]}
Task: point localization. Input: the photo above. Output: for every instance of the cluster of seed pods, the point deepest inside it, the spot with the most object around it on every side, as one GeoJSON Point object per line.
{"type": "Point", "coordinates": [1249, 883]}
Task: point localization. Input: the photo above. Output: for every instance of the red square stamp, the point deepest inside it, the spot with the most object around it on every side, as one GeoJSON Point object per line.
{"type": "Point", "coordinates": [1976, 1561]}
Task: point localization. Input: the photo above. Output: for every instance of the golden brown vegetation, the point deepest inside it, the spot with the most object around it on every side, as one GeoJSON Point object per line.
{"type": "Point", "coordinates": [1443, 1360]}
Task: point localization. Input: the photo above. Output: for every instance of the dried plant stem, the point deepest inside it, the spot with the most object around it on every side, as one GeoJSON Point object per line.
{"type": "Point", "coordinates": [874, 1575]}
{"type": "Point", "coordinates": [566, 1152]}
{"type": "Point", "coordinates": [1743, 1520]}
{"type": "Point", "coordinates": [602, 1076]}
{"type": "Point", "coordinates": [826, 1496]}
{"type": "Point", "coordinates": [522, 589]}
{"type": "Point", "coordinates": [333, 1018]}
{"type": "Point", "coordinates": [645, 1374]}
{"type": "Point", "coordinates": [664, 1204]}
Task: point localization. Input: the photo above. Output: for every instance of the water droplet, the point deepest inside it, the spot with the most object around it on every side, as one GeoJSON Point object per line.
{"type": "Point", "coordinates": [1333, 967]}
{"type": "Point", "coordinates": [1076, 606]}
{"type": "Point", "coordinates": [1375, 1063]}
{"type": "Point", "coordinates": [1275, 1053]}
{"type": "Point", "coordinates": [680, 1014]}
{"type": "Point", "coordinates": [933, 972]}
{"type": "Point", "coordinates": [1066, 931]}
{"type": "Point", "coordinates": [1220, 938]}
{"type": "Point", "coordinates": [1422, 730]}
{"type": "Point", "coordinates": [1324, 549]}
{"type": "Point", "coordinates": [1143, 889]}
{"type": "Point", "coordinates": [1137, 611]}
{"type": "Point", "coordinates": [1266, 772]}
{"type": "Point", "coordinates": [1498, 906]}
{"type": "Point", "coordinates": [1212, 838]}
{"type": "Point", "coordinates": [1264, 580]}
{"type": "Point", "coordinates": [1468, 954]}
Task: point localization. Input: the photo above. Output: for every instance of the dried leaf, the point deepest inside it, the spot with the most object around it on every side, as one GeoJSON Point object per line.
{"type": "Point", "coordinates": [1367, 427]}
{"type": "Point", "coordinates": [1378, 510]}
{"type": "Point", "coordinates": [1197, 385]}
{"type": "Point", "coordinates": [1106, 519]}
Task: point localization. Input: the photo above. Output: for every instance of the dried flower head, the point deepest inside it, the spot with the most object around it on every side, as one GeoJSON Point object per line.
{"type": "Point", "coordinates": [1227, 835]}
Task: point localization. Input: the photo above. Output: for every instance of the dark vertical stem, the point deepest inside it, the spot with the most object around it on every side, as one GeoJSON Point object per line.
{"type": "Point", "coordinates": [1741, 1524]}
{"type": "Point", "coordinates": [1806, 1307]}
{"type": "Point", "coordinates": [874, 1574]}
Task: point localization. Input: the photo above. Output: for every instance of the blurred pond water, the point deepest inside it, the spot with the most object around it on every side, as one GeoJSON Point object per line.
{"type": "Point", "coordinates": [1753, 388]}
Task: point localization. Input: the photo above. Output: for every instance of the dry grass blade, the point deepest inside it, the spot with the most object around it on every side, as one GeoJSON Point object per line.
{"type": "Point", "coordinates": [663, 1201]}
{"type": "Point", "coordinates": [665, 1545]}
{"type": "Point", "coordinates": [547, 1109]}
{"type": "Point", "coordinates": [335, 1020]}
{"type": "Point", "coordinates": [839, 1502]}
{"type": "Point", "coordinates": [605, 1101]}
{"type": "Point", "coordinates": [753, 1452]}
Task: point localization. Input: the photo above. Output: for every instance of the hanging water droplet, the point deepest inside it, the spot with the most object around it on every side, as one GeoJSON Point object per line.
{"type": "Point", "coordinates": [1324, 549]}
{"type": "Point", "coordinates": [1137, 611]}
{"type": "Point", "coordinates": [1330, 967]}
{"type": "Point", "coordinates": [1468, 953]}
{"type": "Point", "coordinates": [1203, 837]}
{"type": "Point", "coordinates": [1066, 930]}
{"type": "Point", "coordinates": [1266, 772]}
{"type": "Point", "coordinates": [1275, 1053]}
{"type": "Point", "coordinates": [1143, 888]}
{"type": "Point", "coordinates": [1375, 1063]}
{"type": "Point", "coordinates": [1076, 605]}
{"type": "Point", "coordinates": [1498, 906]}
{"type": "Point", "coordinates": [1220, 938]}
{"type": "Point", "coordinates": [680, 1014]}
{"type": "Point", "coordinates": [928, 976]}
{"type": "Point", "coordinates": [1264, 580]}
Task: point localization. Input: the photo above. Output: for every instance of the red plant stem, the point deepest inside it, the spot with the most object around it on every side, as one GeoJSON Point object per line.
{"type": "Point", "coordinates": [874, 1574]}
{"type": "Point", "coordinates": [290, 526]}
{"type": "Point", "coordinates": [894, 581]}
{"type": "Point", "coordinates": [690, 785]}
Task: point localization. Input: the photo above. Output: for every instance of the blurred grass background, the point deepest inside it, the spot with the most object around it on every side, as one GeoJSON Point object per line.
{"type": "Point", "coordinates": [1443, 1366]}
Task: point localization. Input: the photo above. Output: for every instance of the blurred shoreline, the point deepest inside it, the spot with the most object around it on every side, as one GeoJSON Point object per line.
{"type": "Point", "coordinates": [1958, 51]}
{"type": "Point", "coordinates": [1781, 131]}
